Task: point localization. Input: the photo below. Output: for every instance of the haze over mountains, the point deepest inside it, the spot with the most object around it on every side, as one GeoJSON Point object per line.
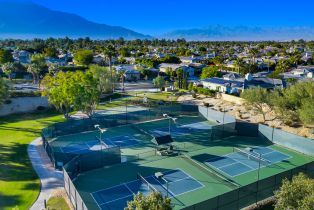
{"type": "Point", "coordinates": [243, 33]}
{"type": "Point", "coordinates": [19, 19]}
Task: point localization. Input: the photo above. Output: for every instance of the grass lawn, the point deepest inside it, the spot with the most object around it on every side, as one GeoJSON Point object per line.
{"type": "Point", "coordinates": [136, 96]}
{"type": "Point", "coordinates": [19, 184]}
{"type": "Point", "coordinates": [57, 203]}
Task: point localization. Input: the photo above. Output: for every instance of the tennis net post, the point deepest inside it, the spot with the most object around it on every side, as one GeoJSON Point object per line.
{"type": "Point", "coordinates": [144, 181]}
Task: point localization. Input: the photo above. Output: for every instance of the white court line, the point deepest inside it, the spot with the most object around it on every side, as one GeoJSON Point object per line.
{"type": "Point", "coordinates": [95, 200]}
{"type": "Point", "coordinates": [207, 161]}
{"type": "Point", "coordinates": [187, 177]}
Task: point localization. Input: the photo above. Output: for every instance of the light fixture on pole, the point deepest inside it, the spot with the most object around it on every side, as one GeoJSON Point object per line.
{"type": "Point", "coordinates": [170, 118]}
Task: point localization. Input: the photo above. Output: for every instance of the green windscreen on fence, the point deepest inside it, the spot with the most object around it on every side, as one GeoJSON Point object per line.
{"type": "Point", "coordinates": [286, 139]}
{"type": "Point", "coordinates": [251, 193]}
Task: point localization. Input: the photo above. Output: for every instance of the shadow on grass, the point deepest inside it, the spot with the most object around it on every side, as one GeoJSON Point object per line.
{"type": "Point", "coordinates": [9, 200]}
{"type": "Point", "coordinates": [15, 164]}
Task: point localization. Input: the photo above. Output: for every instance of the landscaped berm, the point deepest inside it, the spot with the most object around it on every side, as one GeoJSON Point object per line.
{"type": "Point", "coordinates": [201, 159]}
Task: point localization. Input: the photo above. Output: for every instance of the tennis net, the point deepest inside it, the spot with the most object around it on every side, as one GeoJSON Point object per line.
{"type": "Point", "coordinates": [252, 156]}
{"type": "Point", "coordinates": [144, 181]}
{"type": "Point", "coordinates": [211, 172]}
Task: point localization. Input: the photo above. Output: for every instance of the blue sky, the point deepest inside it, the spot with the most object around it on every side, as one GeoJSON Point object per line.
{"type": "Point", "coordinates": [159, 16]}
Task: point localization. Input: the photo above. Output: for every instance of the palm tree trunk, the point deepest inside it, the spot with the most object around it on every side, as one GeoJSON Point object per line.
{"type": "Point", "coordinates": [34, 78]}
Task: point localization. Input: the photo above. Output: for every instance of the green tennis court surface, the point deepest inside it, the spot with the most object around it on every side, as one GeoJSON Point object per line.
{"type": "Point", "coordinates": [173, 183]}
{"type": "Point", "coordinates": [208, 168]}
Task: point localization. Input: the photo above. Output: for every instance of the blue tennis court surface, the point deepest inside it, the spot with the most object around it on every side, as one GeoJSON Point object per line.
{"type": "Point", "coordinates": [182, 129]}
{"type": "Point", "coordinates": [83, 147]}
{"type": "Point", "coordinates": [117, 197]}
{"type": "Point", "coordinates": [121, 141]}
{"type": "Point", "coordinates": [237, 163]}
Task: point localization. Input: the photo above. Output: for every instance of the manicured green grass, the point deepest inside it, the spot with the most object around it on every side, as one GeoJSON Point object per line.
{"type": "Point", "coordinates": [19, 184]}
{"type": "Point", "coordinates": [138, 98]}
{"type": "Point", "coordinates": [57, 203]}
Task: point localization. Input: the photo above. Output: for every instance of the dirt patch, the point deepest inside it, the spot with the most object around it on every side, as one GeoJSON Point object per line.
{"type": "Point", "coordinates": [242, 113]}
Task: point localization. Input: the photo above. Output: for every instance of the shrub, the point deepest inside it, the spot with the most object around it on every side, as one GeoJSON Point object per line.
{"type": "Point", "coordinates": [16, 94]}
{"type": "Point", "coordinates": [41, 108]}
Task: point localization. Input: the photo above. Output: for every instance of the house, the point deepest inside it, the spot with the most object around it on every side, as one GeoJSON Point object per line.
{"type": "Point", "coordinates": [174, 67]}
{"type": "Point", "coordinates": [23, 57]}
{"type": "Point", "coordinates": [300, 73]}
{"type": "Point", "coordinates": [189, 60]}
{"type": "Point", "coordinates": [223, 86]}
{"type": "Point", "coordinates": [264, 82]}
{"type": "Point", "coordinates": [99, 59]}
{"type": "Point", "coordinates": [232, 76]}
{"type": "Point", "coordinates": [56, 61]}
{"type": "Point", "coordinates": [130, 72]}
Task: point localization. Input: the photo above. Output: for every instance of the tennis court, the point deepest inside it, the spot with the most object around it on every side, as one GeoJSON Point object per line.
{"type": "Point", "coordinates": [245, 160]}
{"type": "Point", "coordinates": [186, 129]}
{"type": "Point", "coordinates": [121, 141]}
{"type": "Point", "coordinates": [83, 147]}
{"type": "Point", "coordinates": [172, 183]}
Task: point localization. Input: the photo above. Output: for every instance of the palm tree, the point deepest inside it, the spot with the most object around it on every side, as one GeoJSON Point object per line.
{"type": "Point", "coordinates": [109, 52]}
{"type": "Point", "coordinates": [53, 69]}
{"type": "Point", "coordinates": [253, 52]}
{"type": "Point", "coordinates": [239, 63]}
{"type": "Point", "coordinates": [8, 69]}
{"type": "Point", "coordinates": [34, 69]}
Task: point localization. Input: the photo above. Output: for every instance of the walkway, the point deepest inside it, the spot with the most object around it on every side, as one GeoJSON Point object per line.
{"type": "Point", "coordinates": [50, 178]}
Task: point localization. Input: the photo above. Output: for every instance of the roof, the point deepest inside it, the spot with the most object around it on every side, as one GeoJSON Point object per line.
{"type": "Point", "coordinates": [263, 82]}
{"type": "Point", "coordinates": [224, 82]}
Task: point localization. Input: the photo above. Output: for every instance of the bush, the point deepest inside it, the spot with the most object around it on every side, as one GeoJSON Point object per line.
{"type": "Point", "coordinates": [204, 91]}
{"type": "Point", "coordinates": [41, 108]}
{"type": "Point", "coordinates": [16, 94]}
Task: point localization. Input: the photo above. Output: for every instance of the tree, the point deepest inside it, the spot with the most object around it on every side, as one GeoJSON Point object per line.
{"type": "Point", "coordinates": [159, 82]}
{"type": "Point", "coordinates": [51, 52]}
{"type": "Point", "coordinates": [5, 56]}
{"type": "Point", "coordinates": [257, 99]}
{"type": "Point", "coordinates": [154, 201]}
{"type": "Point", "coordinates": [210, 71]}
{"type": "Point", "coordinates": [239, 63]}
{"type": "Point", "coordinates": [38, 62]}
{"type": "Point", "coordinates": [218, 60]}
{"type": "Point", "coordinates": [53, 68]}
{"type": "Point", "coordinates": [110, 52]}
{"type": "Point", "coordinates": [103, 77]}
{"type": "Point", "coordinates": [59, 92]}
{"type": "Point", "coordinates": [34, 70]}
{"type": "Point", "coordinates": [294, 103]}
{"type": "Point", "coordinates": [86, 92]}
{"type": "Point", "coordinates": [283, 66]}
{"type": "Point", "coordinates": [83, 57]}
{"type": "Point", "coordinates": [297, 194]}
{"type": "Point", "coordinates": [4, 90]}
{"type": "Point", "coordinates": [8, 69]}
{"type": "Point", "coordinates": [77, 90]}
{"type": "Point", "coordinates": [253, 52]}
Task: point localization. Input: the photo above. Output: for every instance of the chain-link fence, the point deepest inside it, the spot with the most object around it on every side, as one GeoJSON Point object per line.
{"type": "Point", "coordinates": [286, 139]}
{"type": "Point", "coordinates": [252, 193]}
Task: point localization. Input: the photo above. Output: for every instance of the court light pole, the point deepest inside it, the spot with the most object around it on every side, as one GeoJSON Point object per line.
{"type": "Point", "coordinates": [169, 118]}
{"type": "Point", "coordinates": [101, 131]}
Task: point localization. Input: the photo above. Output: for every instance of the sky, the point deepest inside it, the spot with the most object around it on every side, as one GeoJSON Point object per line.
{"type": "Point", "coordinates": [156, 17]}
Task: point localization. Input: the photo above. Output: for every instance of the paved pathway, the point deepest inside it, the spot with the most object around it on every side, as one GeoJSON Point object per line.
{"type": "Point", "coordinates": [50, 179]}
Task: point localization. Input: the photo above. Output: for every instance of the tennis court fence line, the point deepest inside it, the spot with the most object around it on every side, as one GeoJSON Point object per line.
{"type": "Point", "coordinates": [72, 193]}
{"type": "Point", "coordinates": [251, 193]}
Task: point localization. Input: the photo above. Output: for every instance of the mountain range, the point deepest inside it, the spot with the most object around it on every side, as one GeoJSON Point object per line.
{"type": "Point", "coordinates": [243, 33]}
{"type": "Point", "coordinates": [19, 19]}
{"type": "Point", "coordinates": [26, 20]}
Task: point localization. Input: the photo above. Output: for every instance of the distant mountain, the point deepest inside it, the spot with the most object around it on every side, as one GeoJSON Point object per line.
{"type": "Point", "coordinates": [19, 19]}
{"type": "Point", "coordinates": [243, 33]}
